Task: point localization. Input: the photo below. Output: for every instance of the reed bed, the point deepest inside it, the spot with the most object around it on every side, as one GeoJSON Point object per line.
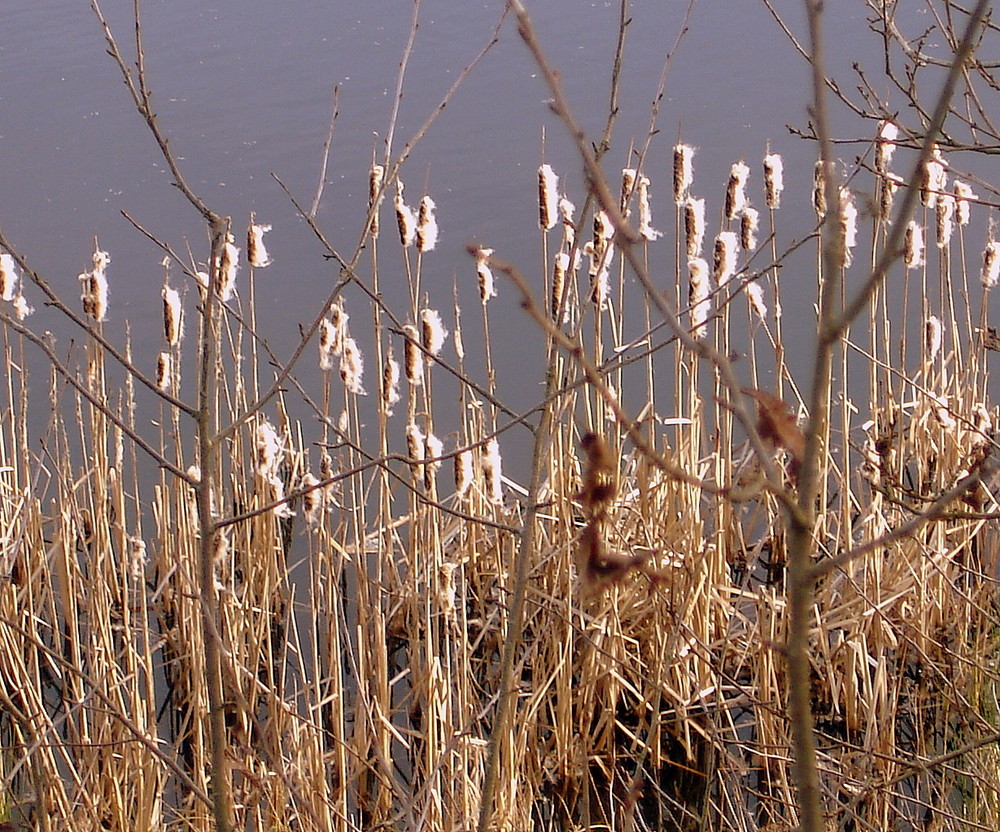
{"type": "Point", "coordinates": [372, 595]}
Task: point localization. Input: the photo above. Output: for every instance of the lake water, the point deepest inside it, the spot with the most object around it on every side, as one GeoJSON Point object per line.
{"type": "Point", "coordinates": [244, 92]}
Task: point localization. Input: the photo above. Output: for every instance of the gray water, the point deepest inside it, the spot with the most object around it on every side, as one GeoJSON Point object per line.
{"type": "Point", "coordinates": [244, 92]}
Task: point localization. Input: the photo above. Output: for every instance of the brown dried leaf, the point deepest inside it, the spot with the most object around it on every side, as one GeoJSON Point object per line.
{"type": "Point", "coordinates": [776, 424]}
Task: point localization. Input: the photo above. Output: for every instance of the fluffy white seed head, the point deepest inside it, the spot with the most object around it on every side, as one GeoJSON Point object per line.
{"type": "Point", "coordinates": [376, 178]}
{"type": "Point", "coordinates": [463, 473]}
{"type": "Point", "coordinates": [390, 384]}
{"type": "Point", "coordinates": [964, 195]}
{"type": "Point", "coordinates": [229, 263]}
{"type": "Point", "coordinates": [312, 498]}
{"type": "Point", "coordinates": [268, 446]}
{"type": "Point", "coordinates": [559, 304]}
{"type": "Point", "coordinates": [991, 265]}
{"type": "Point", "coordinates": [628, 188]}
{"type": "Point", "coordinates": [427, 226]}
{"type": "Point", "coordinates": [749, 223]}
{"type": "Point", "coordinates": [352, 367]}
{"type": "Point", "coordinates": [328, 344]}
{"type": "Point", "coordinates": [432, 332]}
{"type": "Point", "coordinates": [755, 297]}
{"type": "Point", "coordinates": [683, 172]}
{"type": "Point", "coordinates": [736, 196]}
{"type": "Point", "coordinates": [406, 220]}
{"type": "Point", "coordinates": [694, 226]}
{"type": "Point", "coordinates": [698, 296]}
{"type": "Point", "coordinates": [433, 451]}
{"type": "Point", "coordinates": [944, 214]}
{"type": "Point", "coordinates": [567, 210]}
{"type": "Point", "coordinates": [548, 196]}
{"type": "Point", "coordinates": [164, 376]}
{"type": "Point", "coordinates": [414, 442]}
{"type": "Point", "coordinates": [774, 180]}
{"type": "Point", "coordinates": [411, 356]}
{"type": "Point", "coordinates": [487, 284]}
{"type": "Point", "coordinates": [8, 277]}
{"type": "Point", "coordinates": [724, 257]}
{"type": "Point", "coordinates": [848, 224]}
{"type": "Point", "coordinates": [646, 230]}
{"type": "Point", "coordinates": [886, 191]}
{"type": "Point", "coordinates": [256, 250]}
{"type": "Point", "coordinates": [933, 179]}
{"type": "Point", "coordinates": [933, 331]}
{"type": "Point", "coordinates": [887, 135]}
{"type": "Point", "coordinates": [21, 308]}
{"type": "Point", "coordinates": [493, 471]}
{"type": "Point", "coordinates": [913, 245]}
{"type": "Point", "coordinates": [173, 316]}
{"type": "Point", "coordinates": [95, 294]}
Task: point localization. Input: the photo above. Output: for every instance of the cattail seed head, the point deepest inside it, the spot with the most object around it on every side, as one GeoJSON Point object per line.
{"type": "Point", "coordinates": [886, 146]}
{"type": "Point", "coordinates": [724, 259]}
{"type": "Point", "coordinates": [390, 384]}
{"type": "Point", "coordinates": [414, 442]}
{"type": "Point", "coordinates": [646, 230]}
{"type": "Point", "coordinates": [164, 376]}
{"type": "Point", "coordinates": [628, 188]}
{"type": "Point", "coordinates": [683, 172]}
{"type": "Point", "coordinates": [774, 180]}
{"type": "Point", "coordinates": [352, 367]}
{"type": "Point", "coordinates": [755, 297]}
{"type": "Point", "coordinates": [229, 263]}
{"type": "Point", "coordinates": [698, 297]}
{"type": "Point", "coordinates": [411, 356]}
{"type": "Point", "coordinates": [560, 311]}
{"type": "Point", "coordinates": [736, 197]}
{"type": "Point", "coordinates": [406, 221]}
{"type": "Point", "coordinates": [749, 223]}
{"type": "Point", "coordinates": [433, 332]}
{"type": "Point", "coordinates": [427, 227]}
{"type": "Point", "coordinates": [944, 214]}
{"type": "Point", "coordinates": [492, 471]}
{"type": "Point", "coordinates": [268, 448]}
{"type": "Point", "coordinates": [463, 473]}
{"type": "Point", "coordinates": [991, 265]}
{"type": "Point", "coordinates": [933, 331]}
{"type": "Point", "coordinates": [8, 277]}
{"type": "Point", "coordinates": [548, 196]}
{"type": "Point", "coordinates": [600, 275]}
{"type": "Point", "coordinates": [848, 224]}
{"type": "Point", "coordinates": [694, 226]}
{"type": "Point", "coordinates": [819, 189]}
{"type": "Point", "coordinates": [886, 191]}
{"type": "Point", "coordinates": [487, 285]}
{"type": "Point", "coordinates": [376, 178]}
{"type": "Point", "coordinates": [933, 178]}
{"type": "Point", "coordinates": [173, 316]}
{"type": "Point", "coordinates": [256, 250]}
{"type": "Point", "coordinates": [329, 344]}
{"type": "Point", "coordinates": [433, 451]}
{"type": "Point", "coordinates": [21, 308]}
{"type": "Point", "coordinates": [567, 210]}
{"type": "Point", "coordinates": [964, 195]}
{"type": "Point", "coordinates": [312, 498]}
{"type": "Point", "coordinates": [913, 246]}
